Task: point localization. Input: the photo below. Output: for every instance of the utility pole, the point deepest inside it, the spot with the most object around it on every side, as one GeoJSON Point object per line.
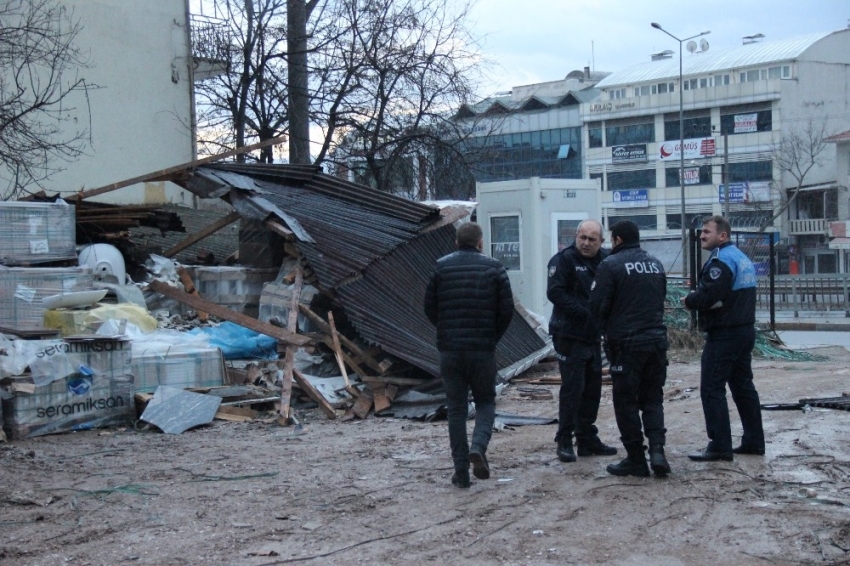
{"type": "Point", "coordinates": [726, 175]}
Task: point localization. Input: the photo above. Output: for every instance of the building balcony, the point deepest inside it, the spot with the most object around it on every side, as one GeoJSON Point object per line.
{"type": "Point", "coordinates": [211, 45]}
{"type": "Point", "coordinates": [815, 226]}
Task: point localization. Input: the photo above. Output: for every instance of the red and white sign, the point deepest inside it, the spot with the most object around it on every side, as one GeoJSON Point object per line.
{"type": "Point", "coordinates": [694, 148]}
{"type": "Point", "coordinates": [746, 123]}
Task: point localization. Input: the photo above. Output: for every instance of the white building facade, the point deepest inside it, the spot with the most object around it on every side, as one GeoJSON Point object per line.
{"type": "Point", "coordinates": [739, 104]}
{"type": "Point", "coordinates": [138, 107]}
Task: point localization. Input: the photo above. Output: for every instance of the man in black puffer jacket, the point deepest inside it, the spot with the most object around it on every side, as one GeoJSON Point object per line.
{"type": "Point", "coordinates": [628, 298]}
{"type": "Point", "coordinates": [469, 300]}
{"type": "Point", "coordinates": [576, 338]}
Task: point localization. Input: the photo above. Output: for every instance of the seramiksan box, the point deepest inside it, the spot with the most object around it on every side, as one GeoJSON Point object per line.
{"type": "Point", "coordinates": [98, 393]}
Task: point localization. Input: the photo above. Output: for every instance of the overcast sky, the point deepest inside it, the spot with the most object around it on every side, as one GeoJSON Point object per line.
{"type": "Point", "coordinates": [542, 40]}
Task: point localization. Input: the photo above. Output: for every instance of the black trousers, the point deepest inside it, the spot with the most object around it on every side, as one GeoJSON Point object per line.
{"type": "Point", "coordinates": [638, 376]}
{"type": "Point", "coordinates": [726, 359]}
{"type": "Point", "coordinates": [580, 364]}
{"type": "Point", "coordinates": [463, 372]}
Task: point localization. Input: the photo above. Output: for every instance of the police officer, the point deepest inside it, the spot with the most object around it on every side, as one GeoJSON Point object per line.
{"type": "Point", "coordinates": [577, 343]}
{"type": "Point", "coordinates": [628, 298]}
{"type": "Point", "coordinates": [726, 301]}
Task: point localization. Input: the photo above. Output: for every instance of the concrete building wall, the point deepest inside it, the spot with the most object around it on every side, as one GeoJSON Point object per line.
{"type": "Point", "coordinates": [138, 108]}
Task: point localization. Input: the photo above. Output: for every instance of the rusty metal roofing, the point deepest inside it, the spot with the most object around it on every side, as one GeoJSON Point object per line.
{"type": "Point", "coordinates": [386, 306]}
{"type": "Point", "coordinates": [374, 253]}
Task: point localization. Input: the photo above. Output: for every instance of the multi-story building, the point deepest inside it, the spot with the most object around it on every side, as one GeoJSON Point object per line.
{"type": "Point", "coordinates": [741, 107]}
{"type": "Point", "coordinates": [531, 131]}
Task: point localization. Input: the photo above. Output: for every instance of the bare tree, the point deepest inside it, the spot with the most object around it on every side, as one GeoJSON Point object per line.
{"type": "Point", "coordinates": [39, 69]}
{"type": "Point", "coordinates": [797, 152]}
{"type": "Point", "coordinates": [383, 79]}
{"type": "Point", "coordinates": [248, 102]}
{"type": "Point", "coordinates": [394, 76]}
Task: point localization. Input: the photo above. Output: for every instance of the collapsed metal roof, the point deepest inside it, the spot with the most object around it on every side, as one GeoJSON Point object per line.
{"type": "Point", "coordinates": [372, 251]}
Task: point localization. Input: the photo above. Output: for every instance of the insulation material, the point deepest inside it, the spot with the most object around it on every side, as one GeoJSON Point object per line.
{"type": "Point", "coordinates": [22, 289]}
{"type": "Point", "coordinates": [37, 232]}
{"type": "Point", "coordinates": [237, 288]}
{"type": "Point", "coordinates": [97, 393]}
{"type": "Point", "coordinates": [182, 367]}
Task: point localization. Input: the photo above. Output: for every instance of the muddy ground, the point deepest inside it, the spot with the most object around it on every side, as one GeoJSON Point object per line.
{"type": "Point", "coordinates": [378, 492]}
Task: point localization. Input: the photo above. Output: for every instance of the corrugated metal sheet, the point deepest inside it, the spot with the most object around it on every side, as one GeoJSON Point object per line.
{"type": "Point", "coordinates": [713, 60]}
{"type": "Point", "coordinates": [385, 306]}
{"type": "Point", "coordinates": [371, 252]}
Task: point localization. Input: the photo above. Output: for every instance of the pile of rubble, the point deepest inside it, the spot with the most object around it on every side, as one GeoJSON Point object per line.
{"type": "Point", "coordinates": [334, 273]}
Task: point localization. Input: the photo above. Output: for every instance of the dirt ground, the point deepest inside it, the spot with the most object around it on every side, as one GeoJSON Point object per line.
{"type": "Point", "coordinates": [378, 492]}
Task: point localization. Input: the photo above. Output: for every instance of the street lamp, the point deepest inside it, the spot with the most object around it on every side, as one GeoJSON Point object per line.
{"type": "Point", "coordinates": [681, 143]}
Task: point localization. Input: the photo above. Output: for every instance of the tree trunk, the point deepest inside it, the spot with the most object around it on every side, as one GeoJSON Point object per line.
{"type": "Point", "coordinates": [299, 100]}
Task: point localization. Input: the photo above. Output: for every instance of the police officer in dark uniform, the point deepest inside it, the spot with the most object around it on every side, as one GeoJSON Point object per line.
{"type": "Point", "coordinates": [628, 298]}
{"type": "Point", "coordinates": [577, 343]}
{"type": "Point", "coordinates": [726, 301]}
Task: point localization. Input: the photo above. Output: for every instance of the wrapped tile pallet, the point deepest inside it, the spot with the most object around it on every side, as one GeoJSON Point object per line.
{"type": "Point", "coordinates": [95, 390]}
{"type": "Point", "coordinates": [22, 290]}
{"type": "Point", "coordinates": [238, 288]}
{"type": "Point", "coordinates": [33, 233]}
{"type": "Point", "coordinates": [176, 366]}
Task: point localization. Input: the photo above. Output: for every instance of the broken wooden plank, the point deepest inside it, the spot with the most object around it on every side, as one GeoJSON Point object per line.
{"type": "Point", "coordinates": [338, 355]}
{"type": "Point", "coordinates": [387, 380]}
{"type": "Point", "coordinates": [313, 393]}
{"type": "Point", "coordinates": [279, 228]}
{"type": "Point", "coordinates": [351, 362]}
{"type": "Point", "coordinates": [238, 414]}
{"type": "Point", "coordinates": [363, 404]}
{"type": "Point", "coordinates": [356, 350]}
{"type": "Point", "coordinates": [198, 236]}
{"type": "Point", "coordinates": [380, 399]}
{"type": "Point", "coordinates": [289, 360]}
{"type": "Point", "coordinates": [189, 287]}
{"type": "Point", "coordinates": [228, 314]}
{"type": "Point", "coordinates": [165, 173]}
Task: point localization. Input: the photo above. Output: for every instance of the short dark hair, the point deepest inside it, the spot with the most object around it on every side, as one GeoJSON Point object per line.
{"type": "Point", "coordinates": [468, 235]}
{"type": "Point", "coordinates": [627, 231]}
{"type": "Point", "coordinates": [720, 222]}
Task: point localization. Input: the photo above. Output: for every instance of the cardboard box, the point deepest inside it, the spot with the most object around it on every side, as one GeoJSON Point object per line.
{"type": "Point", "coordinates": [99, 393]}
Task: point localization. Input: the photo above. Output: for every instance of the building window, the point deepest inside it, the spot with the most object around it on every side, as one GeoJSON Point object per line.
{"type": "Point", "coordinates": [618, 93]}
{"type": "Point", "coordinates": [774, 73]}
{"type": "Point", "coordinates": [601, 178]}
{"type": "Point", "coordinates": [750, 171]}
{"type": "Point", "coordinates": [694, 128]}
{"type": "Point", "coordinates": [746, 122]}
{"type": "Point", "coordinates": [505, 242]}
{"type": "Point", "coordinates": [700, 175]}
{"type": "Point", "coordinates": [786, 71]}
{"type": "Point", "coordinates": [749, 76]}
{"type": "Point", "coordinates": [662, 88]}
{"type": "Point", "coordinates": [594, 136]}
{"type": "Point", "coordinates": [633, 133]}
{"type": "Point", "coordinates": [703, 83]}
{"type": "Point", "coordinates": [644, 221]}
{"type": "Point", "coordinates": [720, 80]}
{"type": "Point", "coordinates": [641, 179]}
{"type": "Point", "coordinates": [674, 220]}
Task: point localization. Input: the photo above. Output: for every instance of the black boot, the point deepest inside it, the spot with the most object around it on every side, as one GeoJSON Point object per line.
{"type": "Point", "coordinates": [633, 465]}
{"type": "Point", "coordinates": [565, 450]}
{"type": "Point", "coordinates": [594, 447]}
{"type": "Point", "coordinates": [657, 461]}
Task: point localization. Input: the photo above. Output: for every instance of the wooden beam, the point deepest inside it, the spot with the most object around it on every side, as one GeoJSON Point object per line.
{"type": "Point", "coordinates": [355, 393]}
{"type": "Point", "coordinates": [189, 286]}
{"type": "Point", "coordinates": [198, 236]}
{"type": "Point", "coordinates": [313, 393]}
{"type": "Point", "coordinates": [279, 228]}
{"type": "Point", "coordinates": [199, 304]}
{"type": "Point", "coordinates": [324, 327]}
{"type": "Point", "coordinates": [164, 173]}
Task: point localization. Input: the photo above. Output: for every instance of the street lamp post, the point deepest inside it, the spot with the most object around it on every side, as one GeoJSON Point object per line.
{"type": "Point", "coordinates": [681, 144]}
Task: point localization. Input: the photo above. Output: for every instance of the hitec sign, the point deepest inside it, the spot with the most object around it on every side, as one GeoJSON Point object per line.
{"type": "Point", "coordinates": [694, 148]}
{"type": "Point", "coordinates": [628, 153]}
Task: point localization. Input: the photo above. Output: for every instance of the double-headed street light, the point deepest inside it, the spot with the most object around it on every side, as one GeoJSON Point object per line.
{"type": "Point", "coordinates": [681, 144]}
